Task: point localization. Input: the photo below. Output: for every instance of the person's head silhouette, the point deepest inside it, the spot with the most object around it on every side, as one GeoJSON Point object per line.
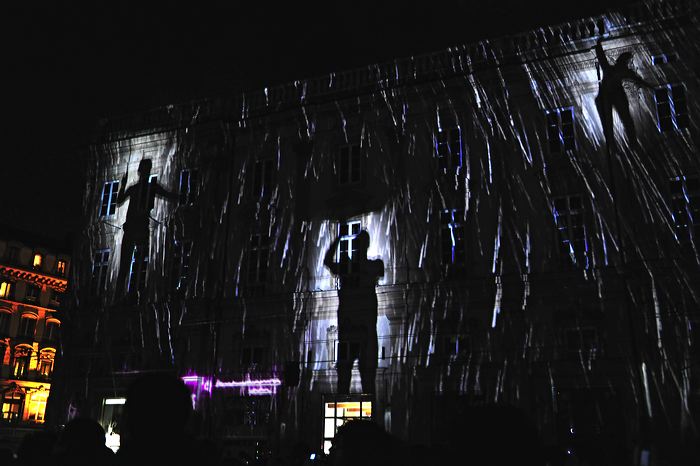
{"type": "Point", "coordinates": [362, 243]}
{"type": "Point", "coordinates": [624, 60]}
{"type": "Point", "coordinates": [145, 169]}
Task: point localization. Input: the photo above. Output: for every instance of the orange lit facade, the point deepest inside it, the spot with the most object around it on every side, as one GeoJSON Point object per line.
{"type": "Point", "coordinates": [32, 285]}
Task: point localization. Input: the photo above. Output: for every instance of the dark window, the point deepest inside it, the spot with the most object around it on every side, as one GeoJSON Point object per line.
{"type": "Point", "coordinates": [32, 293]}
{"type": "Point", "coordinates": [685, 207]}
{"type": "Point", "coordinates": [51, 330]}
{"type": "Point", "coordinates": [448, 148]}
{"type": "Point", "coordinates": [27, 325]}
{"type": "Point", "coordinates": [108, 204]}
{"type": "Point", "coordinates": [188, 186]}
{"type": "Point", "coordinates": [12, 254]}
{"type": "Point", "coordinates": [138, 270]}
{"type": "Point", "coordinates": [100, 264]}
{"type": "Point", "coordinates": [452, 239]}
{"type": "Point", "coordinates": [349, 165]}
{"type": "Point", "coordinates": [568, 216]}
{"type": "Point", "coordinates": [560, 130]}
{"type": "Point", "coordinates": [671, 107]}
{"type": "Point", "coordinates": [5, 318]}
{"type": "Point", "coordinates": [262, 178]}
{"type": "Point", "coordinates": [258, 255]}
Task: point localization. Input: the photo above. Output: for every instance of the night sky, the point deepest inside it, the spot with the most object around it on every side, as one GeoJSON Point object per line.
{"type": "Point", "coordinates": [69, 64]}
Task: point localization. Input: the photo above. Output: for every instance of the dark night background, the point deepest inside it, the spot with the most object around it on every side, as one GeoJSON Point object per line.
{"type": "Point", "coordinates": [66, 64]}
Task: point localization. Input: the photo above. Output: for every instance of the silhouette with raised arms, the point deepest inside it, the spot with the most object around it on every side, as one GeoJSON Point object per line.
{"type": "Point", "coordinates": [135, 241]}
{"type": "Point", "coordinates": [611, 93]}
{"type": "Point", "coordinates": [357, 310]}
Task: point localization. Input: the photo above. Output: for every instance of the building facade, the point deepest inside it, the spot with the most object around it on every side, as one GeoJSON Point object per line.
{"type": "Point", "coordinates": [525, 260]}
{"type": "Point", "coordinates": [33, 282]}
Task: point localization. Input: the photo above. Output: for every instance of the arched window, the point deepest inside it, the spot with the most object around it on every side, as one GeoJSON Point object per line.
{"type": "Point", "coordinates": [12, 403]}
{"type": "Point", "coordinates": [46, 359]}
{"type": "Point", "coordinates": [27, 326]}
{"type": "Point", "coordinates": [5, 318]}
{"type": "Point", "coordinates": [51, 330]}
{"type": "Point", "coordinates": [20, 364]}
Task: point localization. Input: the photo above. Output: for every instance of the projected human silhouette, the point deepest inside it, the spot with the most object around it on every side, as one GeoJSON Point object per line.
{"type": "Point", "coordinates": [611, 93]}
{"type": "Point", "coordinates": [135, 241]}
{"type": "Point", "coordinates": [357, 309]}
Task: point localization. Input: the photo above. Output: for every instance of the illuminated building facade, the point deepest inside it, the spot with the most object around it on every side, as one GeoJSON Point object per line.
{"type": "Point", "coordinates": [33, 282]}
{"type": "Point", "coordinates": [524, 260]}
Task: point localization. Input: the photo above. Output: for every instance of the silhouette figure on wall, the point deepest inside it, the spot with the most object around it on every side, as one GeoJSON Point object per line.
{"type": "Point", "coordinates": [137, 226]}
{"type": "Point", "coordinates": [611, 93]}
{"type": "Point", "coordinates": [357, 311]}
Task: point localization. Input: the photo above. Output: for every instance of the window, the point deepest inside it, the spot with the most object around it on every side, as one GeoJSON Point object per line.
{"type": "Point", "coordinates": [51, 330]}
{"type": "Point", "coordinates": [20, 366]}
{"type": "Point", "coordinates": [36, 405]}
{"type": "Point", "coordinates": [349, 165]}
{"type": "Point", "coordinates": [338, 413]}
{"type": "Point", "coordinates": [448, 148]}
{"type": "Point", "coordinates": [60, 267]}
{"type": "Point", "coordinates": [262, 178]}
{"type": "Point", "coordinates": [183, 251]}
{"type": "Point", "coordinates": [347, 245]}
{"type": "Point", "coordinates": [108, 205]}
{"type": "Point", "coordinates": [100, 264]}
{"type": "Point", "coordinates": [568, 216]}
{"type": "Point", "coordinates": [12, 402]}
{"type": "Point", "coordinates": [258, 255]}
{"type": "Point", "coordinates": [671, 108]}
{"type": "Point", "coordinates": [452, 239]}
{"type": "Point", "coordinates": [685, 207]}
{"type": "Point", "coordinates": [137, 270]}
{"type": "Point", "coordinates": [6, 290]}
{"type": "Point", "coordinates": [32, 293]}
{"type": "Point", "coordinates": [560, 130]}
{"type": "Point", "coordinates": [188, 186]}
{"type": "Point", "coordinates": [38, 259]}
{"type": "Point", "coordinates": [5, 318]}
{"type": "Point", "coordinates": [46, 360]}
{"type": "Point", "coordinates": [12, 254]}
{"type": "Point", "coordinates": [581, 343]}
{"type": "Point", "coordinates": [663, 58]}
{"type": "Point", "coordinates": [27, 326]}
{"type": "Point", "coordinates": [56, 299]}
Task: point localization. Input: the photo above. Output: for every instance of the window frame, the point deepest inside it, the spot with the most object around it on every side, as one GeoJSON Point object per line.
{"type": "Point", "coordinates": [688, 229]}
{"type": "Point", "coordinates": [564, 143]}
{"type": "Point", "coordinates": [187, 195]}
{"type": "Point", "coordinates": [354, 172]}
{"type": "Point", "coordinates": [446, 138]}
{"type": "Point", "coordinates": [108, 199]}
{"type": "Point", "coordinates": [568, 226]}
{"type": "Point", "coordinates": [100, 270]}
{"type": "Point", "coordinates": [458, 252]}
{"type": "Point", "coordinates": [673, 114]}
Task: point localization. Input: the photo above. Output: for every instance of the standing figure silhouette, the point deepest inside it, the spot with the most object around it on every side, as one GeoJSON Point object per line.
{"type": "Point", "coordinates": [611, 93]}
{"type": "Point", "coordinates": [357, 311]}
{"type": "Point", "coordinates": [137, 226]}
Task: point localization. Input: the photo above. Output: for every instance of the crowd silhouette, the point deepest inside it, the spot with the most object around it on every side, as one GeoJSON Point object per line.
{"type": "Point", "coordinates": [156, 430]}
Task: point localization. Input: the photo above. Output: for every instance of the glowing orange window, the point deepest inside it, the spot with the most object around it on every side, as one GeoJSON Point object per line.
{"type": "Point", "coordinates": [36, 263]}
{"type": "Point", "coordinates": [61, 267]}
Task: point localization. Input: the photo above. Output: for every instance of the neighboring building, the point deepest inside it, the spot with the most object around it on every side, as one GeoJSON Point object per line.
{"type": "Point", "coordinates": [522, 265]}
{"type": "Point", "coordinates": [33, 282]}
